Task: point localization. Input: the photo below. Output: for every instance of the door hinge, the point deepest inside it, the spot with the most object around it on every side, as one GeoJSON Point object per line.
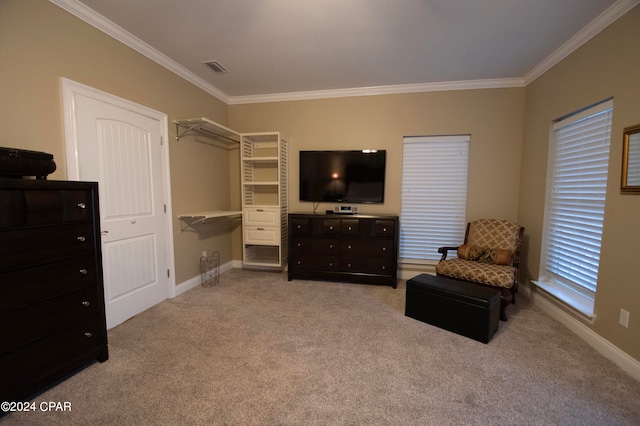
{"type": "Point", "coordinates": [168, 273]}
{"type": "Point", "coordinates": [165, 208]}
{"type": "Point", "coordinates": [161, 141]}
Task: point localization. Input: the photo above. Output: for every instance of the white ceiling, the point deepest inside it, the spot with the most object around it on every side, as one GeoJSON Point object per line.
{"type": "Point", "coordinates": [279, 48]}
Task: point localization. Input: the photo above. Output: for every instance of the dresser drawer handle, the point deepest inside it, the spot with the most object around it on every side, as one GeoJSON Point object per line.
{"type": "Point", "coordinates": [299, 245]}
{"type": "Point", "coordinates": [349, 247]}
{"type": "Point", "coordinates": [88, 334]}
{"type": "Point", "coordinates": [384, 249]}
{"type": "Point", "coordinates": [84, 271]}
{"type": "Point", "coordinates": [384, 267]}
{"type": "Point", "coordinates": [299, 262]}
{"type": "Point", "coordinates": [299, 226]}
{"type": "Point", "coordinates": [331, 228]}
{"type": "Point", "coordinates": [86, 303]}
{"type": "Point", "coordinates": [82, 205]}
{"type": "Point", "coordinates": [81, 238]}
{"type": "Point", "coordinates": [330, 246]}
{"type": "Point", "coordinates": [349, 228]}
{"type": "Point", "coordinates": [260, 229]}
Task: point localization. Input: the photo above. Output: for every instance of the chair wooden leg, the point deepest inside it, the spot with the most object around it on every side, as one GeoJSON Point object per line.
{"type": "Point", "coordinates": [505, 299]}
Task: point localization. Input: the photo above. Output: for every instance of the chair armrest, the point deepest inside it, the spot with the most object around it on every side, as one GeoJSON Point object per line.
{"type": "Point", "coordinates": [445, 250]}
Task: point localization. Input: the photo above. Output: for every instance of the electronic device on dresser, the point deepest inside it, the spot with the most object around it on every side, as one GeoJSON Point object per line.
{"type": "Point", "coordinates": [52, 314]}
{"type": "Point", "coordinates": [346, 209]}
{"type": "Point", "coordinates": [359, 248]}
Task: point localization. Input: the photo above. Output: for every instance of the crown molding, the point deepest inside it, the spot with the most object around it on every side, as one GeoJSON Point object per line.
{"type": "Point", "coordinates": [379, 90]}
{"type": "Point", "coordinates": [103, 24]}
{"type": "Point", "coordinates": [86, 14]}
{"type": "Point", "coordinates": [606, 18]}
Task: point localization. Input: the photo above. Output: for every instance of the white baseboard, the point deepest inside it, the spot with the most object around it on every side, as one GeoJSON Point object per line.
{"type": "Point", "coordinates": [196, 281]}
{"type": "Point", "coordinates": [629, 364]}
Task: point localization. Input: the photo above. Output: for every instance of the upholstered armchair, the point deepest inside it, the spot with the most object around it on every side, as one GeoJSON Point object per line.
{"type": "Point", "coordinates": [490, 256]}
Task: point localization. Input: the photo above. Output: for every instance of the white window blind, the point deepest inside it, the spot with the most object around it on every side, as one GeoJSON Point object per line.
{"type": "Point", "coordinates": [576, 192]}
{"type": "Point", "coordinates": [434, 195]}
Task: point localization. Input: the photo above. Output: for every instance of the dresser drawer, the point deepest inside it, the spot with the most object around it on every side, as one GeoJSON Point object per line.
{"type": "Point", "coordinates": [44, 207]}
{"type": "Point", "coordinates": [300, 226]}
{"type": "Point", "coordinates": [22, 326]}
{"type": "Point", "coordinates": [367, 248]}
{"type": "Point", "coordinates": [26, 286]}
{"type": "Point", "coordinates": [35, 364]}
{"type": "Point", "coordinates": [331, 226]}
{"type": "Point", "coordinates": [350, 227]}
{"type": "Point", "coordinates": [368, 266]}
{"type": "Point", "coordinates": [385, 228]}
{"type": "Point", "coordinates": [261, 216]}
{"type": "Point", "coordinates": [259, 235]}
{"type": "Point", "coordinates": [315, 263]}
{"type": "Point", "coordinates": [33, 246]}
{"type": "Point", "coordinates": [318, 246]}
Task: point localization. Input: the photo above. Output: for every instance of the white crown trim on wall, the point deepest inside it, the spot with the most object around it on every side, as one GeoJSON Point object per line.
{"type": "Point", "coordinates": [89, 16]}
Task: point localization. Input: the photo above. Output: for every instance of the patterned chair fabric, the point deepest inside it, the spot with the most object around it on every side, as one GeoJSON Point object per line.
{"type": "Point", "coordinates": [487, 234]}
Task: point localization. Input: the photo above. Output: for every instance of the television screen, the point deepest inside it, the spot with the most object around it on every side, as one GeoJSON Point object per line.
{"type": "Point", "coordinates": [342, 176]}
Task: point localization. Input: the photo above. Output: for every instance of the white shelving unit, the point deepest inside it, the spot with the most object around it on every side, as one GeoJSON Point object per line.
{"type": "Point", "coordinates": [264, 200]}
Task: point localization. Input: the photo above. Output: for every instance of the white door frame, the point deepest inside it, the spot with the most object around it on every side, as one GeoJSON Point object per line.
{"type": "Point", "coordinates": [70, 89]}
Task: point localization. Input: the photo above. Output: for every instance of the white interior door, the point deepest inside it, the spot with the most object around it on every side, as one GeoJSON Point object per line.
{"type": "Point", "coordinates": [119, 145]}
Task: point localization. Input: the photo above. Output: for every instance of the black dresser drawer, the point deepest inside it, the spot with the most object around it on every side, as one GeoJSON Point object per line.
{"type": "Point", "coordinates": [43, 207]}
{"type": "Point", "coordinates": [35, 365]}
{"type": "Point", "coordinates": [22, 326]}
{"type": "Point", "coordinates": [33, 246]}
{"type": "Point", "coordinates": [385, 228]}
{"type": "Point", "coordinates": [368, 266]}
{"type": "Point", "coordinates": [27, 286]}
{"type": "Point", "coordinates": [300, 226]}
{"type": "Point", "coordinates": [315, 263]}
{"type": "Point", "coordinates": [319, 246]}
{"type": "Point", "coordinates": [367, 248]}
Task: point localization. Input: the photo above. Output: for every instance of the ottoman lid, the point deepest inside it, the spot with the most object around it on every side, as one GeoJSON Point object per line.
{"type": "Point", "coordinates": [468, 292]}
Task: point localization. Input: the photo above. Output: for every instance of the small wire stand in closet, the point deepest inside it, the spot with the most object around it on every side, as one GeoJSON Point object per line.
{"type": "Point", "coordinates": [210, 269]}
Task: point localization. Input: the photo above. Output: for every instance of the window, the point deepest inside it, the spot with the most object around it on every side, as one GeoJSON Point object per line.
{"type": "Point", "coordinates": [574, 206]}
{"type": "Point", "coordinates": [434, 195]}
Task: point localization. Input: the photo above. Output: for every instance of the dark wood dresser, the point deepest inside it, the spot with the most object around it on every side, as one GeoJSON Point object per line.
{"type": "Point", "coordinates": [353, 248]}
{"type": "Point", "coordinates": [52, 315]}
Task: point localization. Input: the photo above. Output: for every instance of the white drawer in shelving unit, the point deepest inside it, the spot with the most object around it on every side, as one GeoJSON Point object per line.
{"type": "Point", "coordinates": [261, 235]}
{"type": "Point", "coordinates": [261, 217]}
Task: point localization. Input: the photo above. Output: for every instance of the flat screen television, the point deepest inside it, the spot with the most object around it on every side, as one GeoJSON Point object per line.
{"type": "Point", "coordinates": [343, 176]}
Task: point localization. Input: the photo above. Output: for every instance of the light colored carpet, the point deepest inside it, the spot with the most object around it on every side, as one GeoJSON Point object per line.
{"type": "Point", "coordinates": [257, 349]}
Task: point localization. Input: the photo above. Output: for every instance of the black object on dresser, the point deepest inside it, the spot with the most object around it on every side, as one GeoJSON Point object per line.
{"type": "Point", "coordinates": [352, 248]}
{"type": "Point", "coordinates": [52, 315]}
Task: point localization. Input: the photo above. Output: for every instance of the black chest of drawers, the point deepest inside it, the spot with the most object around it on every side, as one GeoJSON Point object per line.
{"type": "Point", "coordinates": [52, 315]}
{"type": "Point", "coordinates": [352, 248]}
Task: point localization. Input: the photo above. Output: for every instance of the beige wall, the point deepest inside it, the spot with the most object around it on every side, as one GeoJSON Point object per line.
{"type": "Point", "coordinates": [40, 43]}
{"type": "Point", "coordinates": [607, 66]}
{"type": "Point", "coordinates": [493, 118]}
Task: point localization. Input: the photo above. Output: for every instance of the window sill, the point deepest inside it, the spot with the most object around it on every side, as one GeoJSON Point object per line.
{"type": "Point", "coordinates": [577, 301]}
